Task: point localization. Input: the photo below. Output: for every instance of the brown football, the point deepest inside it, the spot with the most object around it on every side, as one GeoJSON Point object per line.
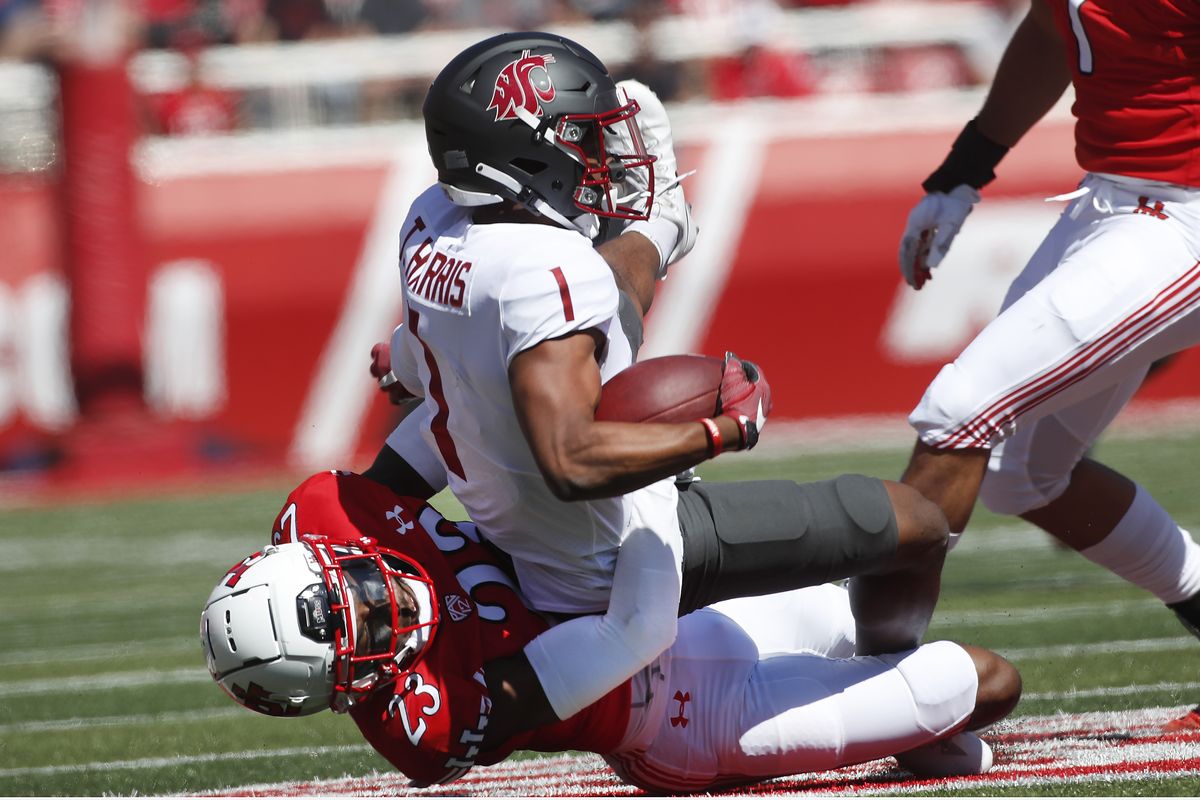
{"type": "Point", "coordinates": [678, 388]}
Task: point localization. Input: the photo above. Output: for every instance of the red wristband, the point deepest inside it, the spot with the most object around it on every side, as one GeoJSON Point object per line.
{"type": "Point", "coordinates": [714, 436]}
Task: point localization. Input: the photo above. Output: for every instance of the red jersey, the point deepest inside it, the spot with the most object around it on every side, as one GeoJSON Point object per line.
{"type": "Point", "coordinates": [430, 724]}
{"type": "Point", "coordinates": [1135, 68]}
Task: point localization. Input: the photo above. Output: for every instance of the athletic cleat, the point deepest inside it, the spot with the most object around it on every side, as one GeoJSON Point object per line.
{"type": "Point", "coordinates": [1188, 722]}
{"type": "Point", "coordinates": [961, 754]}
{"type": "Point", "coordinates": [1188, 612]}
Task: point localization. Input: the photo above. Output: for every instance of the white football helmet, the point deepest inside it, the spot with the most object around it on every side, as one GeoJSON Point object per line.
{"type": "Point", "coordinates": [314, 624]}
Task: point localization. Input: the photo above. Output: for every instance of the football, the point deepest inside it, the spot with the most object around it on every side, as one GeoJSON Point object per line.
{"type": "Point", "coordinates": [679, 388]}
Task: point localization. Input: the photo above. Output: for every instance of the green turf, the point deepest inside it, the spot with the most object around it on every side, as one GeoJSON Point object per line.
{"type": "Point", "coordinates": [101, 671]}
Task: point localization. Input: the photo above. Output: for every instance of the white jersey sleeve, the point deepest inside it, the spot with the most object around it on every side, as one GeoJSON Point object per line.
{"type": "Point", "coordinates": [577, 293]}
{"type": "Point", "coordinates": [404, 363]}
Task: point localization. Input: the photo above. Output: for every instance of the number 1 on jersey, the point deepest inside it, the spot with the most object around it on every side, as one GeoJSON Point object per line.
{"type": "Point", "coordinates": [564, 293]}
{"type": "Point", "coordinates": [1074, 10]}
{"type": "Point", "coordinates": [438, 425]}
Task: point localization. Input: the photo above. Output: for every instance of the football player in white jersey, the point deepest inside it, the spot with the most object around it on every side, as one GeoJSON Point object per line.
{"type": "Point", "coordinates": [526, 271]}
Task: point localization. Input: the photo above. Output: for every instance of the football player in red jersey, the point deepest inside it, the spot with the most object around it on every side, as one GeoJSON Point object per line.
{"type": "Point", "coordinates": [374, 604]}
{"type": "Point", "coordinates": [1113, 287]}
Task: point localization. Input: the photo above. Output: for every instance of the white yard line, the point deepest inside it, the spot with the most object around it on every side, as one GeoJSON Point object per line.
{"type": "Point", "coordinates": [1100, 648]}
{"type": "Point", "coordinates": [99, 652]}
{"type": "Point", "coordinates": [1113, 691]}
{"type": "Point", "coordinates": [174, 761]}
{"type": "Point", "coordinates": [79, 723]}
{"type": "Point", "coordinates": [1026, 616]}
{"type": "Point", "coordinates": [110, 680]}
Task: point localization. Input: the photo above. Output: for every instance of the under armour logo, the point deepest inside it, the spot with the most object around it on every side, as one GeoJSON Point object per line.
{"type": "Point", "coordinates": [397, 516]}
{"type": "Point", "coordinates": [679, 720]}
{"type": "Point", "coordinates": [1144, 207]}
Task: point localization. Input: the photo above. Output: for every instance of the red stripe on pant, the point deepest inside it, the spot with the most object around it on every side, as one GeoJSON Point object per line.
{"type": "Point", "coordinates": [1156, 311]}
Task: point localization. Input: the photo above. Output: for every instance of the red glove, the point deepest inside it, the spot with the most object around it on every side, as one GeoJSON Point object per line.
{"type": "Point", "coordinates": [745, 396]}
{"type": "Point", "coordinates": [381, 370]}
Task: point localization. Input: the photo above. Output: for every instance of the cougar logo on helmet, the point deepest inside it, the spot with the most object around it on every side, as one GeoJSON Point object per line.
{"type": "Point", "coordinates": [519, 85]}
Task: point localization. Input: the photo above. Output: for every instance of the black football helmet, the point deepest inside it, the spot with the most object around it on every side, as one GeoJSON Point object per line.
{"type": "Point", "coordinates": [536, 119]}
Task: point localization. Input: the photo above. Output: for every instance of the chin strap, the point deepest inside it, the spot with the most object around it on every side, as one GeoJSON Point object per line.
{"type": "Point", "coordinates": [585, 223]}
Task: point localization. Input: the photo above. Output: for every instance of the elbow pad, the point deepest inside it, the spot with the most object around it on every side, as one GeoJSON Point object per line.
{"type": "Point", "coordinates": [583, 659]}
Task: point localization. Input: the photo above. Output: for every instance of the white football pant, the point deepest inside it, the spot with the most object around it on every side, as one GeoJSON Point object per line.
{"type": "Point", "coordinates": [767, 686]}
{"type": "Point", "coordinates": [1114, 286]}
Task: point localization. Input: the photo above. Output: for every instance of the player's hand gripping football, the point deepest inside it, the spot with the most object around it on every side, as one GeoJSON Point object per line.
{"type": "Point", "coordinates": [381, 370]}
{"type": "Point", "coordinates": [746, 397]}
{"type": "Point", "coordinates": [932, 225]}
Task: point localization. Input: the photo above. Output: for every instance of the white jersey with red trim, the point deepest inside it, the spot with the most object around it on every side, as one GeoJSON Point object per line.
{"type": "Point", "coordinates": [475, 296]}
{"type": "Point", "coordinates": [430, 724]}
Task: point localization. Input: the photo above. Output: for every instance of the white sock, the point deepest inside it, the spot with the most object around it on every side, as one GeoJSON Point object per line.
{"type": "Point", "coordinates": [1149, 550]}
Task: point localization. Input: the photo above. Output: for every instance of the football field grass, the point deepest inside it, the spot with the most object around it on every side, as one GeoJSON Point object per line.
{"type": "Point", "coordinates": [103, 688]}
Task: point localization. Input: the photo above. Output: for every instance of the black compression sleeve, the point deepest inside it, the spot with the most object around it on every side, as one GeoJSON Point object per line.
{"type": "Point", "coordinates": [972, 160]}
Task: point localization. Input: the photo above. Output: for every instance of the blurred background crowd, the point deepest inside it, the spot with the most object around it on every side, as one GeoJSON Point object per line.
{"type": "Point", "coordinates": [219, 66]}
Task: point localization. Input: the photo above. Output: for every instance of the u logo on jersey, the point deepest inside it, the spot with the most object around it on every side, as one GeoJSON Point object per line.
{"type": "Point", "coordinates": [1144, 207]}
{"type": "Point", "coordinates": [524, 83]}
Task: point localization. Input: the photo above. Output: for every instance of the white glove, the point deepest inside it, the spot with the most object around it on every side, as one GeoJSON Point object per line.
{"type": "Point", "coordinates": [932, 225]}
{"type": "Point", "coordinates": [670, 206]}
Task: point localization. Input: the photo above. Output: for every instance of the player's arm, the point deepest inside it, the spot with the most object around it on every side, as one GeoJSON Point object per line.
{"type": "Point", "coordinates": [556, 387]}
{"type": "Point", "coordinates": [634, 261]}
{"type": "Point", "coordinates": [391, 470]}
{"type": "Point", "coordinates": [1032, 76]}
{"type": "Point", "coordinates": [519, 703]}
{"type": "Point", "coordinates": [405, 464]}
{"type": "Point", "coordinates": [565, 669]}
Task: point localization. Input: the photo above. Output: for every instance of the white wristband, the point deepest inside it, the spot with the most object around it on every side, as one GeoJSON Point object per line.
{"type": "Point", "coordinates": [662, 233]}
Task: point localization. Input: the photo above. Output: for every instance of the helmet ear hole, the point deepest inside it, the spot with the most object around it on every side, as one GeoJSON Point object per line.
{"type": "Point", "coordinates": [528, 165]}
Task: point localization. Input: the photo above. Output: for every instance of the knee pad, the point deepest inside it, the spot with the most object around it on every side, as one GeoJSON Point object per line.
{"type": "Point", "coordinates": [948, 402]}
{"type": "Point", "coordinates": [943, 682]}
